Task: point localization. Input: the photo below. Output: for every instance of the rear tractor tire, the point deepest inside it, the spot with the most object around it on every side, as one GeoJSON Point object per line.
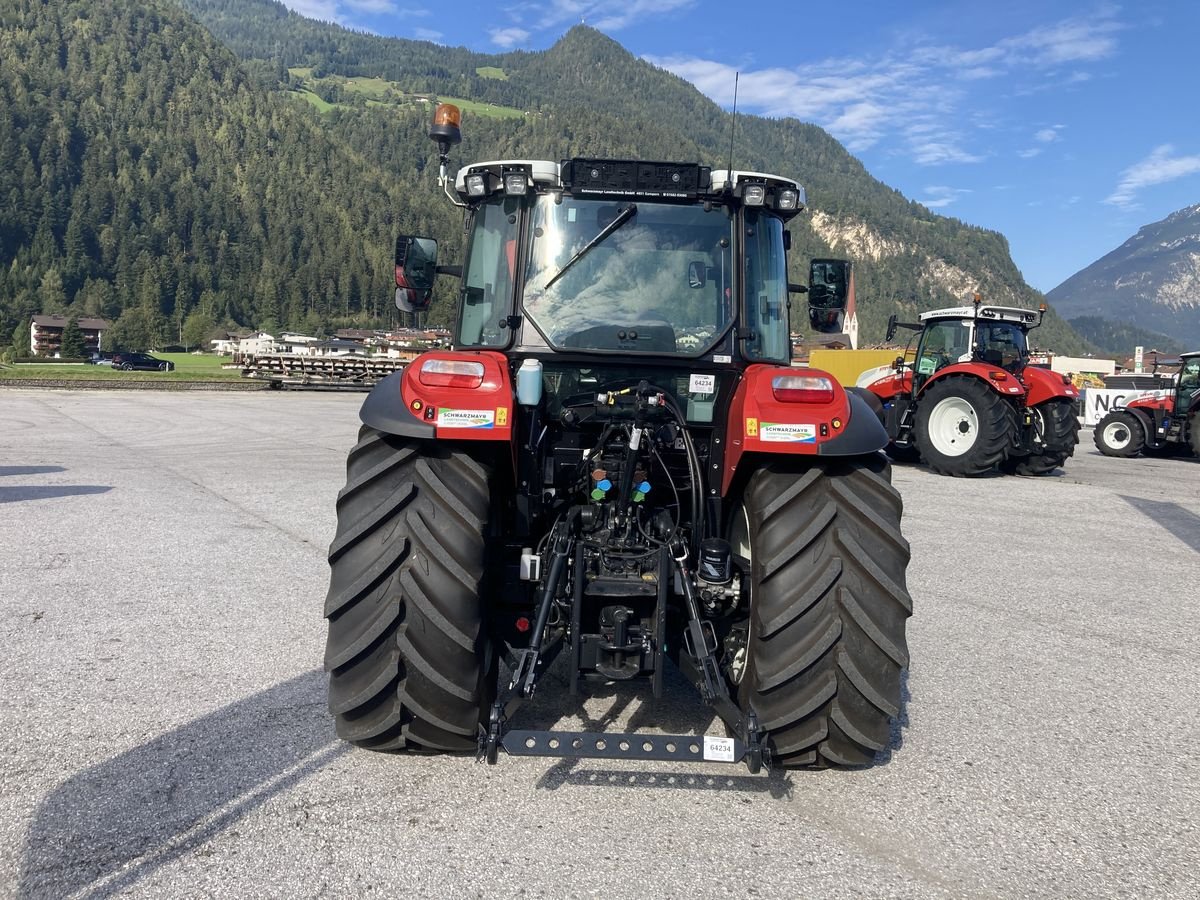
{"type": "Point", "coordinates": [410, 659]}
{"type": "Point", "coordinates": [826, 645]}
{"type": "Point", "coordinates": [963, 427]}
{"type": "Point", "coordinates": [1055, 436]}
{"type": "Point", "coordinates": [1120, 433]}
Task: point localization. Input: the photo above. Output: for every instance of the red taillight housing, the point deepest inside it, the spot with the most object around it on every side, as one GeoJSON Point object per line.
{"type": "Point", "coordinates": [802, 389]}
{"type": "Point", "coordinates": [453, 373]}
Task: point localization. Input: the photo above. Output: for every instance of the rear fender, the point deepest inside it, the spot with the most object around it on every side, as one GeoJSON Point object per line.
{"type": "Point", "coordinates": [1000, 381]}
{"type": "Point", "coordinates": [417, 402]}
{"type": "Point", "coordinates": [844, 425]}
{"type": "Point", "coordinates": [1146, 417]}
{"type": "Point", "coordinates": [1044, 385]}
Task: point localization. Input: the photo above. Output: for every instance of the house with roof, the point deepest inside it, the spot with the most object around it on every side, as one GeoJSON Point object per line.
{"type": "Point", "coordinates": [45, 334]}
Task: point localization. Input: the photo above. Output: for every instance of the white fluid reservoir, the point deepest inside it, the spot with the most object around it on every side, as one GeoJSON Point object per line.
{"type": "Point", "coordinates": [529, 382]}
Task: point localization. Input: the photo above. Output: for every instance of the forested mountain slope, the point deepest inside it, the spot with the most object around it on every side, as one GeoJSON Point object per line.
{"type": "Point", "coordinates": [144, 176]}
{"type": "Point", "coordinates": [149, 173]}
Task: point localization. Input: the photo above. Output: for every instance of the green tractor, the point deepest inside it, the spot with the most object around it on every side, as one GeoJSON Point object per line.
{"type": "Point", "coordinates": [617, 464]}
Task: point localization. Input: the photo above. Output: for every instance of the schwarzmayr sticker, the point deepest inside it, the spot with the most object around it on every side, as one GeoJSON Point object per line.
{"type": "Point", "coordinates": [795, 434]}
{"type": "Point", "coordinates": [465, 418]}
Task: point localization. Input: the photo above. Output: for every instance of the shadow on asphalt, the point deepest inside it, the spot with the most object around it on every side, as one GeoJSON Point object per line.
{"type": "Point", "coordinates": [9, 494]}
{"type": "Point", "coordinates": [110, 826]}
{"type": "Point", "coordinates": [680, 711]}
{"type": "Point", "coordinates": [1183, 523]}
{"type": "Point", "coordinates": [21, 492]}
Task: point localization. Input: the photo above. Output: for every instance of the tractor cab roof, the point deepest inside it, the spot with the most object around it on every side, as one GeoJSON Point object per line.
{"type": "Point", "coordinates": [640, 180]}
{"type": "Point", "coordinates": [989, 313]}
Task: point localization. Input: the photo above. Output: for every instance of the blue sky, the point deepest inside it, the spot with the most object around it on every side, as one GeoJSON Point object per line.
{"type": "Point", "coordinates": [1065, 126]}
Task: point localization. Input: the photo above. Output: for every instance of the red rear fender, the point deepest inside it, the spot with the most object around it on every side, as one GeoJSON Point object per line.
{"type": "Point", "coordinates": [1044, 385]}
{"type": "Point", "coordinates": [445, 394]}
{"type": "Point", "coordinates": [1000, 381]}
{"type": "Point", "coordinates": [796, 411]}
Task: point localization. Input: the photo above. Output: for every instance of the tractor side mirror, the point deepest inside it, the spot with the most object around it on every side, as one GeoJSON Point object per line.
{"type": "Point", "coordinates": [828, 292]}
{"type": "Point", "coordinates": [697, 273]}
{"type": "Point", "coordinates": [416, 268]}
{"type": "Point", "coordinates": [891, 329]}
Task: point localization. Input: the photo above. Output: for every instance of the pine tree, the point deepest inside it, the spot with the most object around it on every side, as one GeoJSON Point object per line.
{"type": "Point", "coordinates": [73, 346]}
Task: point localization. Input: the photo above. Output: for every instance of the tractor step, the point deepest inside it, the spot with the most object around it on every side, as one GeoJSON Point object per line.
{"type": "Point", "coordinates": [606, 745]}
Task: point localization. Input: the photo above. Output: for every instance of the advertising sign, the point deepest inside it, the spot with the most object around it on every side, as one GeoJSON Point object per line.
{"type": "Point", "coordinates": [1097, 402]}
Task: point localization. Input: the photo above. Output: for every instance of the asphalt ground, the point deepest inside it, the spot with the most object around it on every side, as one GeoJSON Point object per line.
{"type": "Point", "coordinates": [163, 730]}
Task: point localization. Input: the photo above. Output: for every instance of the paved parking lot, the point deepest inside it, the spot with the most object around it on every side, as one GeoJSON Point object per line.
{"type": "Point", "coordinates": [162, 571]}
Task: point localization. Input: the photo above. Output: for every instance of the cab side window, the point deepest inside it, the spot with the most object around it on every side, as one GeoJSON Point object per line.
{"type": "Point", "coordinates": [488, 281]}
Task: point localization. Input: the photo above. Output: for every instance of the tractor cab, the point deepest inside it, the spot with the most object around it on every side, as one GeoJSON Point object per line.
{"type": "Point", "coordinates": [1187, 388]}
{"type": "Point", "coordinates": [616, 258]}
{"type": "Point", "coordinates": [993, 335]}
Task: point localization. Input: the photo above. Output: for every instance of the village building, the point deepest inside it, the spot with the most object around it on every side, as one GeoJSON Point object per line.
{"type": "Point", "coordinates": [45, 334]}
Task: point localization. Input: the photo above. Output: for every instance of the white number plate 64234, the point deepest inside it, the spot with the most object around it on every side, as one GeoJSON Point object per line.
{"type": "Point", "coordinates": [718, 749]}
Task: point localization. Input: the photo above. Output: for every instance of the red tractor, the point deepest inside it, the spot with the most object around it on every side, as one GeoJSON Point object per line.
{"type": "Point", "coordinates": [970, 402]}
{"type": "Point", "coordinates": [615, 464]}
{"type": "Point", "coordinates": [1163, 423]}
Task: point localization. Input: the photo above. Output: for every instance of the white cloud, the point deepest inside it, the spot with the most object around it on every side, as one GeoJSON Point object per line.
{"type": "Point", "coordinates": [929, 100]}
{"type": "Point", "coordinates": [334, 10]}
{"type": "Point", "coordinates": [428, 34]}
{"type": "Point", "coordinates": [1159, 167]}
{"type": "Point", "coordinates": [373, 6]}
{"type": "Point", "coordinates": [607, 15]}
{"type": "Point", "coordinates": [1073, 40]}
{"type": "Point", "coordinates": [936, 152]}
{"type": "Point", "coordinates": [508, 37]}
{"type": "Point", "coordinates": [324, 10]}
{"type": "Point", "coordinates": [615, 16]}
{"type": "Point", "coordinates": [939, 195]}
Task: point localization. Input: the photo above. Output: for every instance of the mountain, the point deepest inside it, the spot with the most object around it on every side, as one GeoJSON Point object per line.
{"type": "Point", "coordinates": [1151, 281]}
{"type": "Point", "coordinates": [151, 174]}
{"type": "Point", "coordinates": [1120, 339]}
{"type": "Point", "coordinates": [147, 178]}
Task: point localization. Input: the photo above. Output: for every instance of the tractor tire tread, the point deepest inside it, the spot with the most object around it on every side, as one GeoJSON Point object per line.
{"type": "Point", "coordinates": [827, 644]}
{"type": "Point", "coordinates": [408, 651]}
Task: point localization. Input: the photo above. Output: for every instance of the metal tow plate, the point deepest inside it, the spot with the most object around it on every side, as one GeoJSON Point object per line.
{"type": "Point", "coordinates": [601, 745]}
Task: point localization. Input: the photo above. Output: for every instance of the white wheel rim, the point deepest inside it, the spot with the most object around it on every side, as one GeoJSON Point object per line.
{"type": "Point", "coordinates": [953, 426]}
{"type": "Point", "coordinates": [1117, 435]}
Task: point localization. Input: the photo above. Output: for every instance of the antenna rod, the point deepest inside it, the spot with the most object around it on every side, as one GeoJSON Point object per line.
{"type": "Point", "coordinates": [733, 123]}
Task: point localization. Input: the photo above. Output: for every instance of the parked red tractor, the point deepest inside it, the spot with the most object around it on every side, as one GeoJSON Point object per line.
{"type": "Point", "coordinates": [970, 402]}
{"type": "Point", "coordinates": [1163, 423]}
{"type": "Point", "coordinates": [616, 463]}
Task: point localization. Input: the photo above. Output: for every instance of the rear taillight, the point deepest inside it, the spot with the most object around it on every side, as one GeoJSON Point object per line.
{"type": "Point", "coordinates": [998, 376]}
{"type": "Point", "coordinates": [802, 389]}
{"type": "Point", "coordinates": [455, 373]}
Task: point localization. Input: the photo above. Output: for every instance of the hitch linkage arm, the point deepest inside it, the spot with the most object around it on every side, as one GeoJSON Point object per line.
{"type": "Point", "coordinates": [562, 539]}
{"type": "Point", "coordinates": [706, 671]}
